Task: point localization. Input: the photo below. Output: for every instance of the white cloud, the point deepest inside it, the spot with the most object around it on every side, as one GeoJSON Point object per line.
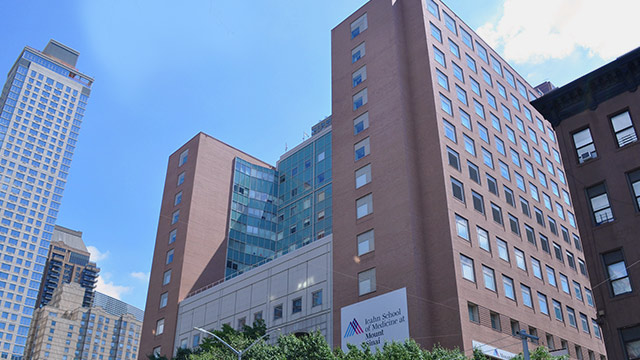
{"type": "Point", "coordinates": [139, 275]}
{"type": "Point", "coordinates": [535, 31]}
{"type": "Point", "coordinates": [97, 255]}
{"type": "Point", "coordinates": [110, 288]}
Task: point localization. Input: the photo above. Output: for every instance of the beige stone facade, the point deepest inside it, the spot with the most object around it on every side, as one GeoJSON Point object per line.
{"type": "Point", "coordinates": [64, 330]}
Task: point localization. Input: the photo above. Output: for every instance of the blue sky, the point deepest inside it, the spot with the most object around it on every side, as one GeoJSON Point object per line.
{"type": "Point", "coordinates": [255, 74]}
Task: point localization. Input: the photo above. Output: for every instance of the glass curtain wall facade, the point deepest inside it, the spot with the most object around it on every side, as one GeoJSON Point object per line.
{"type": "Point", "coordinates": [43, 104]}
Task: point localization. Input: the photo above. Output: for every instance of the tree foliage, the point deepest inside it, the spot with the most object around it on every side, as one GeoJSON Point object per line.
{"type": "Point", "coordinates": [313, 346]}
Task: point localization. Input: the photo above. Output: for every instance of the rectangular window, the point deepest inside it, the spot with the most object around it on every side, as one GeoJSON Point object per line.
{"type": "Point", "coordinates": [471, 64]}
{"type": "Point", "coordinates": [623, 129]}
{"type": "Point", "coordinates": [169, 257]}
{"type": "Point", "coordinates": [495, 64]}
{"type": "Point", "coordinates": [462, 95]}
{"type": "Point", "coordinates": [436, 33]}
{"type": "Point", "coordinates": [503, 250]}
{"type": "Point", "coordinates": [453, 47]}
{"type": "Point", "coordinates": [504, 170]}
{"type": "Point", "coordinates": [487, 77]}
{"type": "Point", "coordinates": [514, 224]}
{"type": "Point", "coordinates": [600, 206]}
{"type": "Point", "coordinates": [577, 289]}
{"type": "Point", "coordinates": [166, 278]}
{"type": "Point", "coordinates": [596, 330]}
{"type": "Point", "coordinates": [551, 276]}
{"type": "Point", "coordinates": [361, 149]}
{"type": "Point", "coordinates": [524, 204]}
{"type": "Point", "coordinates": [583, 267]}
{"type": "Point", "coordinates": [360, 123]}
{"type": "Point", "coordinates": [483, 239]}
{"type": "Point", "coordinates": [450, 23]}
{"type": "Point", "coordinates": [589, 295]}
{"type": "Point", "coordinates": [479, 109]}
{"type": "Point", "coordinates": [492, 185]}
{"type": "Point", "coordinates": [542, 303]}
{"type": "Point", "coordinates": [515, 327]}
{"type": "Point", "coordinates": [631, 340]}
{"type": "Point", "coordinates": [467, 268]}
{"type": "Point", "coordinates": [453, 158]}
{"type": "Point", "coordinates": [564, 284]}
{"type": "Point", "coordinates": [183, 157]}
{"type": "Point", "coordinates": [366, 242]}
{"type": "Point", "coordinates": [634, 181]}
{"type": "Point", "coordinates": [462, 227]}
{"type": "Point", "coordinates": [571, 315]}
{"type": "Point", "coordinates": [478, 201]}
{"type": "Point", "coordinates": [469, 145]}
{"type": "Point", "coordinates": [159, 327]}
{"type": "Point", "coordinates": [500, 145]}
{"type": "Point", "coordinates": [526, 295]}
{"type": "Point", "coordinates": [439, 56]}
{"type": "Point", "coordinates": [316, 298]}
{"type": "Point", "coordinates": [457, 189]}
{"type": "Point", "coordinates": [359, 25]}
{"type": "Point", "coordinates": [180, 179]}
{"type": "Point", "coordinates": [489, 278]}
{"type": "Point", "coordinates": [363, 176]}
{"type": "Point", "coordinates": [495, 321]}
{"type": "Point", "coordinates": [617, 270]}
{"type": "Point", "coordinates": [475, 86]}
{"type": "Point", "coordinates": [359, 76]}
{"type": "Point", "coordinates": [487, 158]}
{"type": "Point", "coordinates": [585, 148]}
{"type": "Point", "coordinates": [496, 212]}
{"type": "Point", "coordinates": [474, 172]}
{"type": "Point", "coordinates": [364, 206]}
{"type": "Point", "coordinates": [367, 282]}
{"type": "Point", "coordinates": [557, 310]}
{"type": "Point", "coordinates": [358, 52]}
{"type": "Point", "coordinates": [277, 312]}
{"type": "Point", "coordinates": [465, 119]}
{"type": "Point", "coordinates": [473, 312]}
{"type": "Point", "coordinates": [360, 99]}
{"type": "Point", "coordinates": [172, 236]}
{"type": "Point", "coordinates": [445, 105]}
{"type": "Point", "coordinates": [177, 199]}
{"type": "Point", "coordinates": [296, 305]}
{"type": "Point", "coordinates": [164, 298]}
{"type": "Point", "coordinates": [507, 284]}
{"type": "Point", "coordinates": [520, 260]}
{"type": "Point", "coordinates": [558, 252]}
{"type": "Point", "coordinates": [443, 80]}
{"type": "Point", "coordinates": [537, 270]}
{"type": "Point", "coordinates": [175, 216]}
{"type": "Point", "coordinates": [544, 244]}
{"type": "Point", "coordinates": [457, 72]}
{"type": "Point", "coordinates": [571, 260]}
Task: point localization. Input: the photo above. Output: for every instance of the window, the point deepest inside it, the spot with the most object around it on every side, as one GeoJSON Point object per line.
{"type": "Point", "coordinates": [474, 172]}
{"type": "Point", "coordinates": [433, 8]}
{"type": "Point", "coordinates": [583, 267]}
{"type": "Point", "coordinates": [544, 244]}
{"type": "Point", "coordinates": [496, 212]}
{"type": "Point", "coordinates": [449, 130]}
{"type": "Point", "coordinates": [360, 99]}
{"type": "Point", "coordinates": [164, 299]}
{"type": "Point", "coordinates": [623, 128]}
{"type": "Point", "coordinates": [520, 261]}
{"type": "Point", "coordinates": [495, 122]}
{"type": "Point", "coordinates": [492, 185]}
{"type": "Point", "coordinates": [180, 178]}
{"type": "Point", "coordinates": [465, 119]}
{"type": "Point", "coordinates": [359, 76]}
{"type": "Point", "coordinates": [634, 180]}
{"type": "Point", "coordinates": [443, 80]}
{"type": "Point", "coordinates": [487, 77]}
{"type": "Point", "coordinates": [156, 351]}
{"type": "Point", "coordinates": [475, 86]}
{"type": "Point", "coordinates": [617, 271]}
{"type": "Point", "coordinates": [166, 278]}
{"type": "Point", "coordinates": [584, 145]}
{"type": "Point", "coordinates": [487, 158]}
{"type": "Point", "coordinates": [169, 257]}
{"type": "Point", "coordinates": [462, 227]}
{"type": "Point", "coordinates": [507, 283]}
{"type": "Point", "coordinates": [363, 176]}
{"type": "Point", "coordinates": [537, 270]}
{"type": "Point", "coordinates": [524, 204]}
{"type": "Point", "coordinates": [495, 321]}
{"type": "Point", "coordinates": [453, 47]}
{"type": "Point", "coordinates": [175, 217]}
{"type": "Point", "coordinates": [571, 260]}
{"type": "Point", "coordinates": [364, 206]}
{"type": "Point", "coordinates": [484, 134]}
{"type": "Point", "coordinates": [453, 158]}
{"type": "Point", "coordinates": [361, 123]}
{"type": "Point", "coordinates": [160, 327]}
{"type": "Point", "coordinates": [551, 276]}
{"type": "Point", "coordinates": [489, 278]}
{"type": "Point", "coordinates": [500, 145]}
{"type": "Point", "coordinates": [558, 252]}
{"type": "Point", "coordinates": [457, 189]}
{"type": "Point", "coordinates": [183, 157]}
{"type": "Point", "coordinates": [600, 206]}
{"type": "Point", "coordinates": [178, 198]}
{"type": "Point", "coordinates": [478, 201]}
{"type": "Point", "coordinates": [515, 157]}
{"type": "Point", "coordinates": [589, 295]}
{"type": "Point", "coordinates": [631, 340]}
{"type": "Point", "coordinates": [296, 305]}
{"type": "Point", "coordinates": [515, 327]}
{"type": "Point", "coordinates": [462, 95]}
{"type": "Point", "coordinates": [361, 149]}
{"type": "Point", "coordinates": [436, 33]}
{"type": "Point", "coordinates": [316, 298]}
{"type": "Point", "coordinates": [473, 312]}
{"type": "Point", "coordinates": [503, 250]}
{"type": "Point", "coordinates": [495, 64]}
{"type": "Point", "coordinates": [508, 196]}
{"type": "Point", "coordinates": [577, 289]}
{"type": "Point", "coordinates": [172, 236]}
{"type": "Point", "coordinates": [542, 304]}
{"type": "Point", "coordinates": [571, 315]}
{"type": "Point", "coordinates": [257, 316]}
{"type": "Point", "coordinates": [483, 239]}
{"type": "Point", "coordinates": [366, 242]}
{"type": "Point", "coordinates": [439, 56]}
{"type": "Point", "coordinates": [367, 282]}
{"type": "Point", "coordinates": [468, 272]}
{"type": "Point", "coordinates": [359, 26]}
{"type": "Point", "coordinates": [526, 295]}
{"type": "Point", "coordinates": [478, 108]}
{"type": "Point", "coordinates": [277, 312]}
{"type": "Point", "coordinates": [457, 72]}
{"type": "Point", "coordinates": [357, 53]}
{"type": "Point", "coordinates": [564, 283]}
{"type": "Point", "coordinates": [469, 145]}
{"type": "Point", "coordinates": [557, 310]}
{"type": "Point", "coordinates": [242, 322]}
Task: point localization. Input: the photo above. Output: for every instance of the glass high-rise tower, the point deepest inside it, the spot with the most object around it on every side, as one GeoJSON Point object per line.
{"type": "Point", "coordinates": [43, 103]}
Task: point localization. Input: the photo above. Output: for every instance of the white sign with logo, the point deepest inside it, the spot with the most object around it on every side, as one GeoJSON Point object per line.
{"type": "Point", "coordinates": [375, 321]}
{"type": "Point", "coordinates": [492, 351]}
